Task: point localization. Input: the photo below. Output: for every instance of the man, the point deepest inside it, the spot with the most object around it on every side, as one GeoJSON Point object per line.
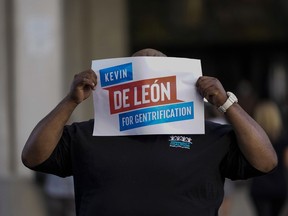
{"type": "Point", "coordinates": [144, 175]}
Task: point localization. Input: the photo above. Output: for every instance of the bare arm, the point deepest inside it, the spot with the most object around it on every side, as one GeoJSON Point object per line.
{"type": "Point", "coordinates": [45, 136]}
{"type": "Point", "coordinates": [252, 140]}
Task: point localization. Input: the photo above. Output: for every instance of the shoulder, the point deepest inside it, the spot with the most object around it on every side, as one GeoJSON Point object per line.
{"type": "Point", "coordinates": [76, 127]}
{"type": "Point", "coordinates": [221, 129]}
{"type": "Point", "coordinates": [82, 124]}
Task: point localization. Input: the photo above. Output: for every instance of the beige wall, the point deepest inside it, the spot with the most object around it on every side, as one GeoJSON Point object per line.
{"type": "Point", "coordinates": [38, 66]}
{"type": "Point", "coordinates": [4, 97]}
{"type": "Point", "coordinates": [94, 30]}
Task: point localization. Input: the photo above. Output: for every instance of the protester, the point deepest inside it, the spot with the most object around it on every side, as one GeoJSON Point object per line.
{"type": "Point", "coordinates": [144, 175]}
{"type": "Point", "coordinates": [269, 192]}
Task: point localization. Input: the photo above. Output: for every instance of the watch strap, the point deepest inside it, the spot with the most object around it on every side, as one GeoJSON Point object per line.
{"type": "Point", "coordinates": [229, 102]}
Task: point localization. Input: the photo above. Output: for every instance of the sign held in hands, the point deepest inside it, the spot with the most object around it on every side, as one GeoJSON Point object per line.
{"type": "Point", "coordinates": [147, 95]}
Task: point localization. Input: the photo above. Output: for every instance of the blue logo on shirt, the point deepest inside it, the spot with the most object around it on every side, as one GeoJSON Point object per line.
{"type": "Point", "coordinates": [180, 142]}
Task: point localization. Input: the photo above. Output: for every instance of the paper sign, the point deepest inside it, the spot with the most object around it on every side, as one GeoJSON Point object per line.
{"type": "Point", "coordinates": [147, 95]}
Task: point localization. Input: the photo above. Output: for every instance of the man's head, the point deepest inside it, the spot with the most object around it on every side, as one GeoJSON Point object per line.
{"type": "Point", "coordinates": [149, 52]}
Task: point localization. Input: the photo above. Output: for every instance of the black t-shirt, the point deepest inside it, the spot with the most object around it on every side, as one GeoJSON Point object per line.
{"type": "Point", "coordinates": [148, 175]}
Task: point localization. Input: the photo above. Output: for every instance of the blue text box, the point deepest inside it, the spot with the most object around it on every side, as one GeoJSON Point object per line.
{"type": "Point", "coordinates": [116, 74]}
{"type": "Point", "coordinates": [156, 115]}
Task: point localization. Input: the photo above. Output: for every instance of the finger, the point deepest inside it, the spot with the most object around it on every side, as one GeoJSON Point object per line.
{"type": "Point", "coordinates": [203, 85]}
{"type": "Point", "coordinates": [210, 92]}
{"type": "Point", "coordinates": [92, 76]}
{"type": "Point", "coordinates": [87, 78]}
{"type": "Point", "coordinates": [200, 79]}
{"type": "Point", "coordinates": [205, 80]}
{"type": "Point", "coordinates": [88, 82]}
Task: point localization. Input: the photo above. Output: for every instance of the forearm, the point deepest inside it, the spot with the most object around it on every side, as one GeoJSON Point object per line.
{"type": "Point", "coordinates": [45, 136]}
{"type": "Point", "coordinates": [252, 140]}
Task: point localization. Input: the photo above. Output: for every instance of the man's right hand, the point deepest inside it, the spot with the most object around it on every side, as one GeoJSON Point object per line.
{"type": "Point", "coordinates": [82, 86]}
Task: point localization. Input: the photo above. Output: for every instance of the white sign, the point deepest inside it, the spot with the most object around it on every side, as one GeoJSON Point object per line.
{"type": "Point", "coordinates": [147, 95]}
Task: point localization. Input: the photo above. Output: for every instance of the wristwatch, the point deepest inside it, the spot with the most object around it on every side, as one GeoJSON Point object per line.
{"type": "Point", "coordinates": [229, 102]}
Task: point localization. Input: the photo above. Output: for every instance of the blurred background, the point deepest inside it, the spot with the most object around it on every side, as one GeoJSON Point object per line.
{"type": "Point", "coordinates": [44, 43]}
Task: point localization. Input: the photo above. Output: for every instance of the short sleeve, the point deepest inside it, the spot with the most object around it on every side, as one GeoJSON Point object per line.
{"type": "Point", "coordinates": [235, 166]}
{"type": "Point", "coordinates": [59, 163]}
